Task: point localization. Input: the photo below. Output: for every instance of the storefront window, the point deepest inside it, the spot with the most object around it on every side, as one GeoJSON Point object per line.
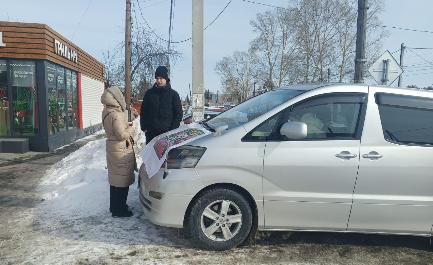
{"type": "Point", "coordinates": [61, 97]}
{"type": "Point", "coordinates": [53, 116]}
{"type": "Point", "coordinates": [24, 98]}
{"type": "Point", "coordinates": [4, 100]}
{"type": "Point", "coordinates": [70, 100]}
{"type": "Point", "coordinates": [74, 99]}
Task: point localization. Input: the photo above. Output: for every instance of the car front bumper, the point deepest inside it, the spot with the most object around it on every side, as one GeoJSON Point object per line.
{"type": "Point", "coordinates": [164, 205]}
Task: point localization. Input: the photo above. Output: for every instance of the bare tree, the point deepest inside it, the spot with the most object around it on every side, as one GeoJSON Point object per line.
{"type": "Point", "coordinates": [147, 54]}
{"type": "Point", "coordinates": [238, 74]}
{"type": "Point", "coordinates": [300, 44]}
{"type": "Point", "coordinates": [274, 46]}
{"type": "Point", "coordinates": [347, 35]}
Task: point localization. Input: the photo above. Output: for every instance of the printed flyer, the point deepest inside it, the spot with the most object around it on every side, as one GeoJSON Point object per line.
{"type": "Point", "coordinates": [155, 152]}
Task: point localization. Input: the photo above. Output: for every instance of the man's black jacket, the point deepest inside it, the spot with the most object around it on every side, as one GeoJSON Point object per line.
{"type": "Point", "coordinates": [161, 110]}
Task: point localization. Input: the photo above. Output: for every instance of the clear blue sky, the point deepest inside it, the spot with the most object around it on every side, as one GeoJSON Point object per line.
{"type": "Point", "coordinates": [98, 25]}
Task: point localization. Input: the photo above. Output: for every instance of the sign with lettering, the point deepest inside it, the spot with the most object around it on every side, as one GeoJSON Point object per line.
{"type": "Point", "coordinates": [65, 51]}
{"type": "Point", "coordinates": [2, 44]}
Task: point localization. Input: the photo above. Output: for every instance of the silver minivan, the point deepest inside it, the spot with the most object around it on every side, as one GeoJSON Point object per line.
{"type": "Point", "coordinates": [349, 158]}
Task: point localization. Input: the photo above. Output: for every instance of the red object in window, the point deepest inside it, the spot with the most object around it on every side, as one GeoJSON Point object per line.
{"type": "Point", "coordinates": [3, 93]}
{"type": "Point", "coordinates": [21, 114]}
{"type": "Point", "coordinates": [79, 102]}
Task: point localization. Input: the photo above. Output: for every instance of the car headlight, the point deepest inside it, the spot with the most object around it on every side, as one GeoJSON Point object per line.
{"type": "Point", "coordinates": [185, 156]}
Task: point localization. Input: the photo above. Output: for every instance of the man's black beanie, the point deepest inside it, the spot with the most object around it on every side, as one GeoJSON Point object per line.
{"type": "Point", "coordinates": [162, 71]}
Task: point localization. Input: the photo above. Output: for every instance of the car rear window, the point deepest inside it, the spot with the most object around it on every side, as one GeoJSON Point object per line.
{"type": "Point", "coordinates": [406, 119]}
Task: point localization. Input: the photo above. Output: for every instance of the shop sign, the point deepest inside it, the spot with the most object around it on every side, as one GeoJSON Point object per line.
{"type": "Point", "coordinates": [65, 51]}
{"type": "Point", "coordinates": [2, 44]}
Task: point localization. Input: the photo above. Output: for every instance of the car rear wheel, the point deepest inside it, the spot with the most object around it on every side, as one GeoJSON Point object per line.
{"type": "Point", "coordinates": [219, 219]}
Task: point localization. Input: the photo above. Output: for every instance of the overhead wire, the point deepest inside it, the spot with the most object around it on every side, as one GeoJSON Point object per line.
{"type": "Point", "coordinates": [408, 29]}
{"type": "Point", "coordinates": [81, 19]}
{"type": "Point", "coordinates": [184, 40]}
{"type": "Point", "coordinates": [419, 56]}
{"type": "Point", "coordinates": [419, 48]}
{"type": "Point", "coordinates": [263, 4]}
{"type": "Point", "coordinates": [155, 3]}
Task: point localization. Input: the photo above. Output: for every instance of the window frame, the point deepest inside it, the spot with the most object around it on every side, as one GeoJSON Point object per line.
{"type": "Point", "coordinates": [34, 100]}
{"type": "Point", "coordinates": [402, 102]}
{"type": "Point", "coordinates": [276, 137]}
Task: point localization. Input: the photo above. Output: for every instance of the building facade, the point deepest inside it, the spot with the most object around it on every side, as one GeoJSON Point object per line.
{"type": "Point", "coordinates": [50, 89]}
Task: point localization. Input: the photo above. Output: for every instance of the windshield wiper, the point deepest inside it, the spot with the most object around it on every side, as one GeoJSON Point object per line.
{"type": "Point", "coordinates": [207, 126]}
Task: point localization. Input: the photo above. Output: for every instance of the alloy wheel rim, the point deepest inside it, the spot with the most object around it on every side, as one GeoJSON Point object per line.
{"type": "Point", "coordinates": [221, 220]}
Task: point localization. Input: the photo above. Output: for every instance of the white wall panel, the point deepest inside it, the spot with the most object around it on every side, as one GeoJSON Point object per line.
{"type": "Point", "coordinates": [91, 91]}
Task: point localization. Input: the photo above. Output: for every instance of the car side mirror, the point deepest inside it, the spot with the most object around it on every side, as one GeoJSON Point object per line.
{"type": "Point", "coordinates": [294, 130]}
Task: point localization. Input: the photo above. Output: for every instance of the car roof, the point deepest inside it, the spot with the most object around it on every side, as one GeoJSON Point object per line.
{"type": "Point", "coordinates": [306, 87]}
{"type": "Point", "coordinates": [312, 86]}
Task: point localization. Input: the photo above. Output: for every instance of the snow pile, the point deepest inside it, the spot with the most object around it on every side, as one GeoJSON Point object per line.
{"type": "Point", "coordinates": [79, 181]}
{"type": "Point", "coordinates": [74, 213]}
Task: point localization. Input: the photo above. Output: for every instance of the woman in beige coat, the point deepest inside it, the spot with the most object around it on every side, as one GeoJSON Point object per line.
{"type": "Point", "coordinates": [120, 153]}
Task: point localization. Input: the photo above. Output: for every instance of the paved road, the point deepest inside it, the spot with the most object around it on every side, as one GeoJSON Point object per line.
{"type": "Point", "coordinates": [23, 239]}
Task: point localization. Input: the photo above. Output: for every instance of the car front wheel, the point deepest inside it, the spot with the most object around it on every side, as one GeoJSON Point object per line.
{"type": "Point", "coordinates": [219, 219]}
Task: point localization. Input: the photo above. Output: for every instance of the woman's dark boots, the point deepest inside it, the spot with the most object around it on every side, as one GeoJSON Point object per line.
{"type": "Point", "coordinates": [118, 206]}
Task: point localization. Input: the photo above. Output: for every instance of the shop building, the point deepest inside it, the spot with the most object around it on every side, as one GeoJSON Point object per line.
{"type": "Point", "coordinates": [50, 89]}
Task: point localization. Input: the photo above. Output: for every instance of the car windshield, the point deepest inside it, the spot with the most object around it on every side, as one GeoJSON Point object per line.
{"type": "Point", "coordinates": [252, 108]}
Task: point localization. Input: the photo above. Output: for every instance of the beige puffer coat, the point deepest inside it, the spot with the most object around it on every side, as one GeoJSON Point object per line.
{"type": "Point", "coordinates": [120, 153]}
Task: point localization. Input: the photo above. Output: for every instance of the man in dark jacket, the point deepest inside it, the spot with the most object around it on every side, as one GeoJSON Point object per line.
{"type": "Point", "coordinates": [161, 109]}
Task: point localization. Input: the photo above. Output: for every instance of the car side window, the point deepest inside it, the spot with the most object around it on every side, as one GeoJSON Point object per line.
{"type": "Point", "coordinates": [406, 119]}
{"type": "Point", "coordinates": [328, 117]}
{"type": "Point", "coordinates": [265, 131]}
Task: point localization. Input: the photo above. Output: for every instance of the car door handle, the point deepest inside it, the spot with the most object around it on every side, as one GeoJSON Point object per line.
{"type": "Point", "coordinates": [373, 155]}
{"type": "Point", "coordinates": [346, 155]}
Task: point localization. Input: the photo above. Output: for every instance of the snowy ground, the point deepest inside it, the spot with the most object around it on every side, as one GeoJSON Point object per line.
{"type": "Point", "coordinates": [71, 224]}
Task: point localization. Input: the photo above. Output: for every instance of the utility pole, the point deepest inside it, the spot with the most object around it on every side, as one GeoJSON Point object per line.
{"type": "Point", "coordinates": [197, 60]}
{"type": "Point", "coordinates": [128, 23]}
{"type": "Point", "coordinates": [361, 28]}
{"type": "Point", "coordinates": [402, 47]}
{"type": "Point", "coordinates": [170, 28]}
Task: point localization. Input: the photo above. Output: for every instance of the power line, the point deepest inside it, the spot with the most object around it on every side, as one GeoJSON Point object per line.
{"type": "Point", "coordinates": [417, 65]}
{"type": "Point", "coordinates": [424, 74]}
{"type": "Point", "coordinates": [418, 70]}
{"type": "Point", "coordinates": [408, 29]}
{"type": "Point", "coordinates": [395, 51]}
{"type": "Point", "coordinates": [263, 4]}
{"type": "Point", "coordinates": [154, 3]}
{"type": "Point", "coordinates": [419, 48]}
{"type": "Point", "coordinates": [81, 19]}
{"type": "Point", "coordinates": [147, 23]}
{"type": "Point", "coordinates": [422, 58]}
{"type": "Point", "coordinates": [184, 40]}
{"type": "Point", "coordinates": [217, 16]}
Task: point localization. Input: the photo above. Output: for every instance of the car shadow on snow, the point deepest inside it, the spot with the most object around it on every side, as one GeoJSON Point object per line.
{"type": "Point", "coordinates": [347, 239]}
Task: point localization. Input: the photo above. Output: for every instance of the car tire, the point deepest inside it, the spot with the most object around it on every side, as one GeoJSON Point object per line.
{"type": "Point", "coordinates": [220, 219]}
